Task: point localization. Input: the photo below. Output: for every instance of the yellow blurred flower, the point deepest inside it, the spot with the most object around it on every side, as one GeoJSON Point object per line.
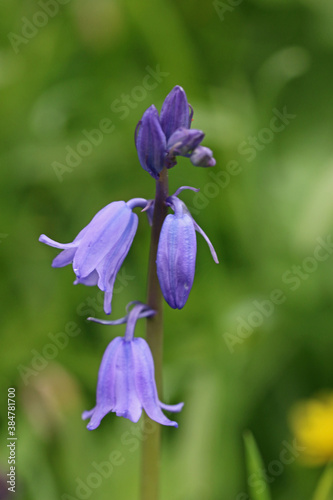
{"type": "Point", "coordinates": [312, 424]}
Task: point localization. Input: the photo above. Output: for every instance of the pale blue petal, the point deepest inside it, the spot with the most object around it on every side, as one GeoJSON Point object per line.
{"type": "Point", "coordinates": [145, 382]}
{"type": "Point", "coordinates": [105, 398]}
{"type": "Point", "coordinates": [90, 280]}
{"type": "Point", "coordinates": [96, 415]}
{"type": "Point", "coordinates": [108, 268]}
{"type": "Point", "coordinates": [172, 408]}
{"type": "Point", "coordinates": [107, 302]}
{"type": "Point", "coordinates": [127, 402]}
{"type": "Point", "coordinates": [105, 230]}
{"type": "Point", "coordinates": [45, 239]}
{"type": "Point", "coordinates": [107, 373]}
{"type": "Point", "coordinates": [112, 261]}
{"type": "Point", "coordinates": [64, 258]}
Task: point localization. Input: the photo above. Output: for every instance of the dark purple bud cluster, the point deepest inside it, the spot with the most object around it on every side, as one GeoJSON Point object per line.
{"type": "Point", "coordinates": [159, 139]}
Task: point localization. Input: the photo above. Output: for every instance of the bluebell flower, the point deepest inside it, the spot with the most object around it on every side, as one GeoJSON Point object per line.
{"type": "Point", "coordinates": [126, 382]}
{"type": "Point", "coordinates": [159, 139]}
{"type": "Point", "coordinates": [176, 253]}
{"type": "Point", "coordinates": [99, 250]}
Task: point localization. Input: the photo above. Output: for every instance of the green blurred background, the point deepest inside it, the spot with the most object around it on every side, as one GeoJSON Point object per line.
{"type": "Point", "coordinates": [237, 64]}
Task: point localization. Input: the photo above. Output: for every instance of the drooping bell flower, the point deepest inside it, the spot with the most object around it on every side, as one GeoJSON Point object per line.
{"type": "Point", "coordinates": [159, 139]}
{"type": "Point", "coordinates": [126, 382]}
{"type": "Point", "coordinates": [176, 253]}
{"type": "Point", "coordinates": [99, 250]}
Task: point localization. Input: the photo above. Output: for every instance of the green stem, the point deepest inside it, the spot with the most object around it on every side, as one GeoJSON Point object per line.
{"type": "Point", "coordinates": [151, 444]}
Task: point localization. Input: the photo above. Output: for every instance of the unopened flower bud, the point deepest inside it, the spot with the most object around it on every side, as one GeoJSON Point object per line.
{"type": "Point", "coordinates": [202, 157]}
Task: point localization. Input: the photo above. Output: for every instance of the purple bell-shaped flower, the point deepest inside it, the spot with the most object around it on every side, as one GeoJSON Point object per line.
{"type": "Point", "coordinates": [126, 382]}
{"type": "Point", "coordinates": [176, 253]}
{"type": "Point", "coordinates": [99, 250]}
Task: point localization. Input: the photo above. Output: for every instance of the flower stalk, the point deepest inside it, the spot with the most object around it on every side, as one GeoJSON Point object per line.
{"type": "Point", "coordinates": [151, 444]}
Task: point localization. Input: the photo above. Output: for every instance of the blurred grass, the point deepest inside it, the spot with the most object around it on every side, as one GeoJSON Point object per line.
{"type": "Point", "coordinates": [266, 54]}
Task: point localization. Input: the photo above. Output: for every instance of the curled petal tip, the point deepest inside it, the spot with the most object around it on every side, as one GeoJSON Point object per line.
{"type": "Point", "coordinates": [182, 188]}
{"type": "Point", "coordinates": [91, 427]}
{"type": "Point", "coordinates": [209, 243]}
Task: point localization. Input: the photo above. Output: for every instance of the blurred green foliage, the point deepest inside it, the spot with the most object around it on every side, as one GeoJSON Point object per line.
{"type": "Point", "coordinates": [263, 217]}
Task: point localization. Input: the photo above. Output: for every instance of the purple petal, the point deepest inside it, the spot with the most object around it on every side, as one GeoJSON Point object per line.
{"type": "Point", "coordinates": [211, 248]}
{"type": "Point", "coordinates": [111, 263]}
{"type": "Point", "coordinates": [127, 402]}
{"type": "Point", "coordinates": [145, 382]}
{"type": "Point", "coordinates": [107, 302]}
{"type": "Point", "coordinates": [109, 266]}
{"type": "Point", "coordinates": [184, 140]}
{"type": "Point", "coordinates": [175, 112]}
{"type": "Point", "coordinates": [96, 415]}
{"type": "Point", "coordinates": [172, 408]}
{"type": "Point", "coordinates": [102, 234]}
{"type": "Point", "coordinates": [64, 258]}
{"type": "Point", "coordinates": [67, 255]}
{"type": "Point", "coordinates": [182, 188]}
{"type": "Point", "coordinates": [107, 373]}
{"type": "Point", "coordinates": [151, 143]}
{"type": "Point", "coordinates": [175, 261]}
{"type": "Point", "coordinates": [106, 397]}
{"type": "Point", "coordinates": [90, 280]}
{"type": "Point", "coordinates": [63, 246]}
